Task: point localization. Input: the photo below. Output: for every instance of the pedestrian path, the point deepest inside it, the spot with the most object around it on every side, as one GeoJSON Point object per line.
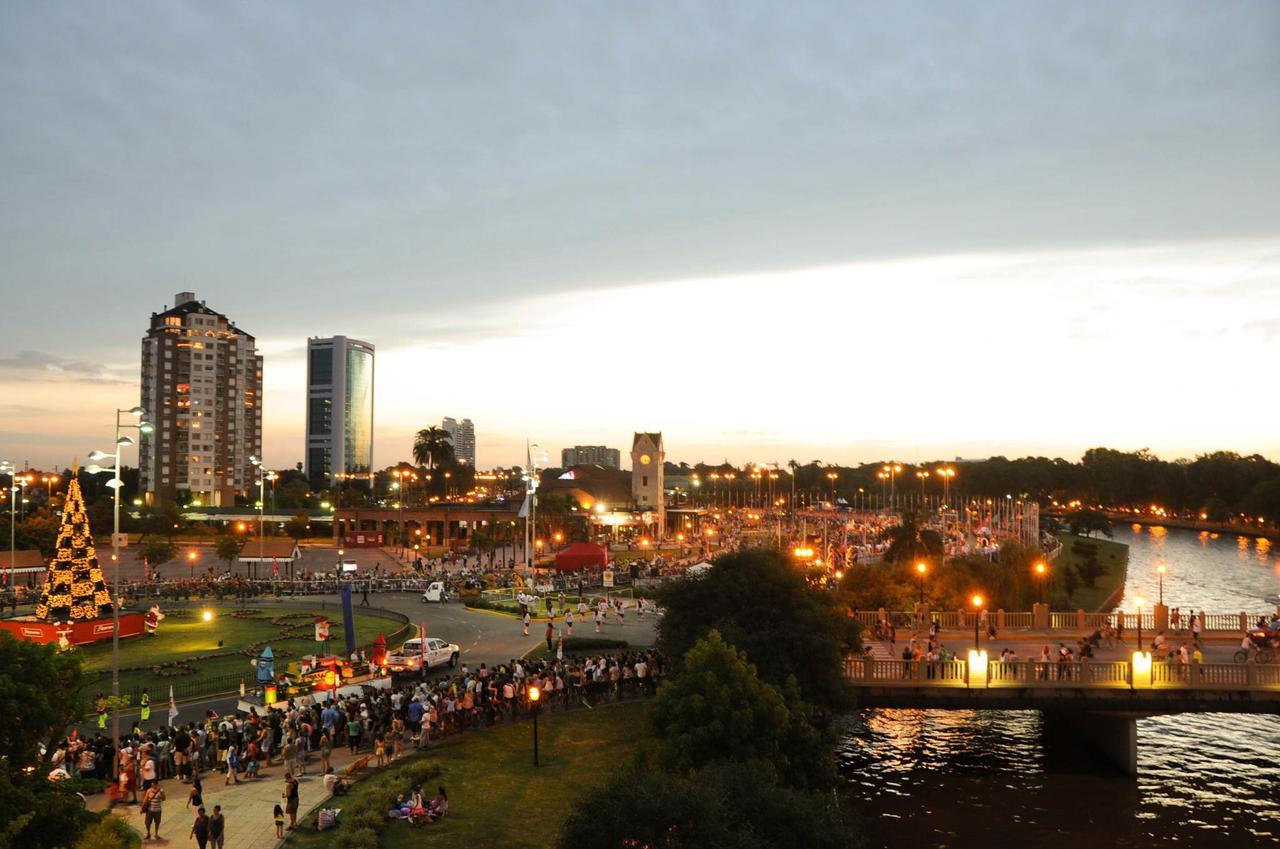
{"type": "Point", "coordinates": [247, 806]}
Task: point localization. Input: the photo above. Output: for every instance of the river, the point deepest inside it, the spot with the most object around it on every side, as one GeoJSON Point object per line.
{"type": "Point", "coordinates": [988, 778]}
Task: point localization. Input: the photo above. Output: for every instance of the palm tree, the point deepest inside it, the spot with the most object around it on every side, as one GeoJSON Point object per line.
{"type": "Point", "coordinates": [431, 447]}
{"type": "Point", "coordinates": [909, 540]}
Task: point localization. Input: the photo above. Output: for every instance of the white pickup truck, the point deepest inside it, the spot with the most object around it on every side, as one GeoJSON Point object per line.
{"type": "Point", "coordinates": [412, 655]}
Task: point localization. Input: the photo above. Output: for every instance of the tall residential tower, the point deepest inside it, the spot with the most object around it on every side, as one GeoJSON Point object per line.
{"type": "Point", "coordinates": [202, 388]}
{"type": "Point", "coordinates": [339, 409]}
{"type": "Point", "coordinates": [463, 436]}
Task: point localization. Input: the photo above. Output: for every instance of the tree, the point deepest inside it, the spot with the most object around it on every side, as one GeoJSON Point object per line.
{"type": "Point", "coordinates": [909, 540]}
{"type": "Point", "coordinates": [431, 447]}
{"type": "Point", "coordinates": [717, 710]}
{"type": "Point", "coordinates": [760, 603]}
{"type": "Point", "coordinates": [299, 527]}
{"type": "Point", "coordinates": [1087, 522]}
{"type": "Point", "coordinates": [158, 551]}
{"type": "Point", "coordinates": [725, 808]}
{"type": "Point", "coordinates": [228, 547]}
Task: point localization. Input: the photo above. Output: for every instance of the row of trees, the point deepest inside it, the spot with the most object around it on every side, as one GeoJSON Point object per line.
{"type": "Point", "coordinates": [1221, 483]}
{"type": "Point", "coordinates": [739, 754]}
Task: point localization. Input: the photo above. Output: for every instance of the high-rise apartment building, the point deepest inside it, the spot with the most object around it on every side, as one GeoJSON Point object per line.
{"type": "Point", "coordinates": [339, 409]}
{"type": "Point", "coordinates": [202, 388]}
{"type": "Point", "coordinates": [463, 436]}
{"type": "Point", "coordinates": [598, 455]}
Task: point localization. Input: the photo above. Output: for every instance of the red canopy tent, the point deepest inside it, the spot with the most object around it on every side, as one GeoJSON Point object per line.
{"type": "Point", "coordinates": [582, 555]}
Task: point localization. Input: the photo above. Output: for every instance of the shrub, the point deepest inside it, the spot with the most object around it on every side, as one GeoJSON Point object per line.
{"type": "Point", "coordinates": [107, 833]}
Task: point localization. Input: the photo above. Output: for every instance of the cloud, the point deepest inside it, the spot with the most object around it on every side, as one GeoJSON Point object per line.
{"type": "Point", "coordinates": [39, 366]}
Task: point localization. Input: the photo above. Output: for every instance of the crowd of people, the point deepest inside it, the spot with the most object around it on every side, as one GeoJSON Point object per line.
{"type": "Point", "coordinates": [384, 723]}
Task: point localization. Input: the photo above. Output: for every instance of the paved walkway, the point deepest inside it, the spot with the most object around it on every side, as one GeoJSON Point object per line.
{"type": "Point", "coordinates": [247, 806]}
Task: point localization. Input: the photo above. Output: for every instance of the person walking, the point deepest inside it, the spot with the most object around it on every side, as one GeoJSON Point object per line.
{"type": "Point", "coordinates": [568, 621]}
{"type": "Point", "coordinates": [526, 622]}
{"type": "Point", "coordinates": [152, 807]}
{"type": "Point", "coordinates": [200, 829]}
{"type": "Point", "coordinates": [195, 798]}
{"type": "Point", "coordinates": [550, 634]}
{"type": "Point", "coordinates": [217, 828]}
{"type": "Point", "coordinates": [145, 701]}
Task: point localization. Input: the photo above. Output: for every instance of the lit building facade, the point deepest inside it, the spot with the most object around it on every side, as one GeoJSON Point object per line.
{"type": "Point", "coordinates": [595, 455]}
{"type": "Point", "coordinates": [339, 409]}
{"type": "Point", "coordinates": [462, 434]}
{"type": "Point", "coordinates": [202, 389]}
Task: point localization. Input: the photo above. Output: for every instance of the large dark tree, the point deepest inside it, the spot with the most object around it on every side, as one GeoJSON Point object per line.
{"type": "Point", "coordinates": [760, 602]}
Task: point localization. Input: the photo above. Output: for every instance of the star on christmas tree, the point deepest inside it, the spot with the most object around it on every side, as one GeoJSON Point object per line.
{"type": "Point", "coordinates": [74, 588]}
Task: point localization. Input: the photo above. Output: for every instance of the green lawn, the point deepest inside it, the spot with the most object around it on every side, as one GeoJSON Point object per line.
{"type": "Point", "coordinates": [184, 634]}
{"type": "Point", "coordinates": [1114, 557]}
{"type": "Point", "coordinates": [496, 796]}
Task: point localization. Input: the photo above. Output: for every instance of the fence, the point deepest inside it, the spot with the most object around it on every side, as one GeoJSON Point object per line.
{"type": "Point", "coordinates": [1076, 621]}
{"type": "Point", "coordinates": [871, 672]}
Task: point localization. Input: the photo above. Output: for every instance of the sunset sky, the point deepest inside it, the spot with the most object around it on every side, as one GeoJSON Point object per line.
{"type": "Point", "coordinates": [772, 231]}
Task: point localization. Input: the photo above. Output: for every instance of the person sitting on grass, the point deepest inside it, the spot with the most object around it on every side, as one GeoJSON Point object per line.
{"type": "Point", "coordinates": [439, 806]}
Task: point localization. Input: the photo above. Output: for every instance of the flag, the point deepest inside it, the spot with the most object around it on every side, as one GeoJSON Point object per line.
{"type": "Point", "coordinates": [275, 565]}
{"type": "Point", "coordinates": [173, 706]}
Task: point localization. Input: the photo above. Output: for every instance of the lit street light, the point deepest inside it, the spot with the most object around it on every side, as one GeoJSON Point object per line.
{"type": "Point", "coordinates": [976, 601]}
{"type": "Point", "coordinates": [534, 697]}
{"type": "Point", "coordinates": [1041, 571]}
{"type": "Point", "coordinates": [921, 569]}
{"type": "Point", "coordinates": [1160, 570]}
{"type": "Point", "coordinates": [143, 427]}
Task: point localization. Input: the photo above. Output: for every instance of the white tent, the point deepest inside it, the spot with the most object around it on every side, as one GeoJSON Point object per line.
{"type": "Point", "coordinates": [698, 569]}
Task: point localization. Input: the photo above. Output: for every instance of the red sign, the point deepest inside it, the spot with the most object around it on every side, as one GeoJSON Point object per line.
{"type": "Point", "coordinates": [82, 633]}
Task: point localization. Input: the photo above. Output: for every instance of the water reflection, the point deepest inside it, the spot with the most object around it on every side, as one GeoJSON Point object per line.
{"type": "Point", "coordinates": [983, 778]}
{"type": "Point", "coordinates": [986, 778]}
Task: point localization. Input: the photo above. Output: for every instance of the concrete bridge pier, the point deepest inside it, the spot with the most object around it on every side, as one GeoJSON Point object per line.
{"type": "Point", "coordinates": [1110, 736]}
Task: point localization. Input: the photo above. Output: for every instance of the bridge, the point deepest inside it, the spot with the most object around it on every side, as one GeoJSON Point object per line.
{"type": "Point", "coordinates": [1097, 702]}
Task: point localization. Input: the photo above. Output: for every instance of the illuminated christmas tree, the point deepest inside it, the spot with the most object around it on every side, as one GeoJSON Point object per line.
{"type": "Point", "coordinates": [74, 588]}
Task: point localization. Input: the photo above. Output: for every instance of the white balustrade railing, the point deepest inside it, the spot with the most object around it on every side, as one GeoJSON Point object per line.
{"type": "Point", "coordinates": [865, 671]}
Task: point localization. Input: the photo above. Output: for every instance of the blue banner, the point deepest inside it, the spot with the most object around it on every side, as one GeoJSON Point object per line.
{"type": "Point", "coordinates": [348, 619]}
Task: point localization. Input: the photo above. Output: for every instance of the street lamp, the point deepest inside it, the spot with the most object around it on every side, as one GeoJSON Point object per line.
{"type": "Point", "coordinates": [976, 601]}
{"type": "Point", "coordinates": [7, 467]}
{"type": "Point", "coordinates": [833, 476]}
{"type": "Point", "coordinates": [1137, 603]}
{"type": "Point", "coordinates": [263, 477]}
{"type": "Point", "coordinates": [191, 559]}
{"type": "Point", "coordinates": [1041, 571]}
{"type": "Point", "coordinates": [1160, 570]}
{"type": "Point", "coordinates": [535, 695]}
{"type": "Point", "coordinates": [921, 569]}
{"type": "Point", "coordinates": [143, 427]}
{"type": "Point", "coordinates": [922, 474]}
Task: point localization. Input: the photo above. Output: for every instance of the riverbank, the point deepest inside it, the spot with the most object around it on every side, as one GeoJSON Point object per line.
{"type": "Point", "coordinates": [1112, 560]}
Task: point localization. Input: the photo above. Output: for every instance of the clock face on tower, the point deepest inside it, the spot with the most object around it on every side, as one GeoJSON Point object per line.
{"type": "Point", "coordinates": [644, 458]}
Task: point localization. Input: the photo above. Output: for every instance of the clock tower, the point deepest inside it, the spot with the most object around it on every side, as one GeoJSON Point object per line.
{"type": "Point", "coordinates": [647, 462]}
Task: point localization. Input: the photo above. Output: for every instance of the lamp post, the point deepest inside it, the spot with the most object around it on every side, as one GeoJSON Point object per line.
{"type": "Point", "coordinates": [534, 697]}
{"type": "Point", "coordinates": [263, 477]}
{"type": "Point", "coordinates": [1041, 571]}
{"type": "Point", "coordinates": [191, 560]}
{"type": "Point", "coordinates": [1137, 603]}
{"type": "Point", "coordinates": [833, 476]}
{"type": "Point", "coordinates": [923, 475]}
{"type": "Point", "coordinates": [921, 569]}
{"type": "Point", "coordinates": [7, 467]}
{"type": "Point", "coordinates": [976, 601]}
{"type": "Point", "coordinates": [1160, 570]}
{"type": "Point", "coordinates": [143, 427]}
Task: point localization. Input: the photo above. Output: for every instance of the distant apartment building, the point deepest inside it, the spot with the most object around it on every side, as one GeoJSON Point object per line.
{"type": "Point", "coordinates": [597, 455]}
{"type": "Point", "coordinates": [339, 409]}
{"type": "Point", "coordinates": [202, 390]}
{"type": "Point", "coordinates": [462, 434]}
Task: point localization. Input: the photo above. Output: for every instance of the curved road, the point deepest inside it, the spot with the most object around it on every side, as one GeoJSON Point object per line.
{"type": "Point", "coordinates": [482, 637]}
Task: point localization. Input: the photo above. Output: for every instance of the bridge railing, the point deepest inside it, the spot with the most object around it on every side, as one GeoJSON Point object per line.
{"type": "Point", "coordinates": [1075, 621]}
{"type": "Point", "coordinates": [862, 671]}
